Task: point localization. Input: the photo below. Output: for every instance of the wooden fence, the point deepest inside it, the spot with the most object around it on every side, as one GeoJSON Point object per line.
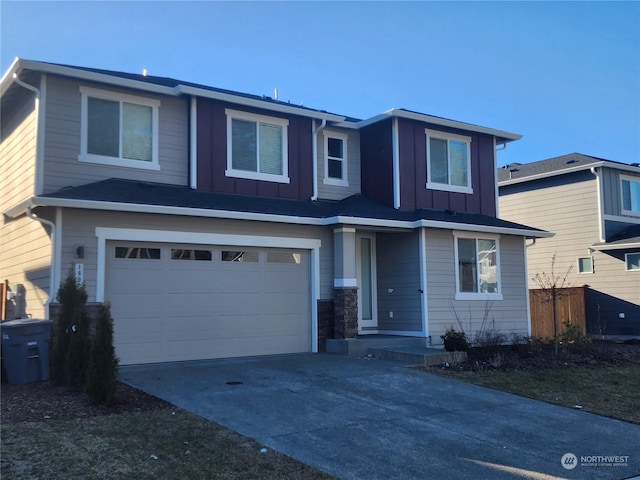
{"type": "Point", "coordinates": [570, 307]}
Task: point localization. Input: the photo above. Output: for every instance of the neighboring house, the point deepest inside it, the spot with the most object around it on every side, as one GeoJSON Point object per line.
{"type": "Point", "coordinates": [220, 224]}
{"type": "Point", "coordinates": [593, 207]}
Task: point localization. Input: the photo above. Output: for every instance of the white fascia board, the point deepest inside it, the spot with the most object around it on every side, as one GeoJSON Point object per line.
{"type": "Point", "coordinates": [7, 78]}
{"type": "Point", "coordinates": [251, 102]}
{"type": "Point", "coordinates": [265, 217]}
{"type": "Point", "coordinates": [484, 229]}
{"type": "Point", "coordinates": [443, 122]}
{"type": "Point", "coordinates": [615, 246]}
{"type": "Point", "coordinates": [19, 209]}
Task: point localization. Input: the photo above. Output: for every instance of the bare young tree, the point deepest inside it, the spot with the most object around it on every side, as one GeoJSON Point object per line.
{"type": "Point", "coordinates": [552, 285]}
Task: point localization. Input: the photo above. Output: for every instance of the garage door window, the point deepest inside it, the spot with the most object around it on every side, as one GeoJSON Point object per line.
{"type": "Point", "coordinates": [189, 254]}
{"type": "Point", "coordinates": [138, 252]}
{"type": "Point", "coordinates": [239, 256]}
{"type": "Point", "coordinates": [283, 257]}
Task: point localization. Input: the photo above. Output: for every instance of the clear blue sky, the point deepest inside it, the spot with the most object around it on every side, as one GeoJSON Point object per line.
{"type": "Point", "coordinates": [566, 75]}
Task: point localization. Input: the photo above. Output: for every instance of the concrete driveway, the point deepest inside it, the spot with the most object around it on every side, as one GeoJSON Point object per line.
{"type": "Point", "coordinates": [375, 419]}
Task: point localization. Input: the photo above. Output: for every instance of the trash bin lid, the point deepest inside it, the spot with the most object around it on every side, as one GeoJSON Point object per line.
{"type": "Point", "coordinates": [22, 322]}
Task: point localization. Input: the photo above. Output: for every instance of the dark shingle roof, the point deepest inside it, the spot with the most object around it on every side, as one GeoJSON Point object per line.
{"type": "Point", "coordinates": [556, 164]}
{"type": "Point", "coordinates": [357, 206]}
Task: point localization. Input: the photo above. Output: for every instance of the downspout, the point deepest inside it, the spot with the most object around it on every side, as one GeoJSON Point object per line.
{"type": "Point", "coordinates": [600, 207]}
{"type": "Point", "coordinates": [396, 163]}
{"type": "Point", "coordinates": [193, 144]}
{"type": "Point", "coordinates": [37, 172]}
{"type": "Point", "coordinates": [314, 148]}
{"type": "Point", "coordinates": [52, 285]}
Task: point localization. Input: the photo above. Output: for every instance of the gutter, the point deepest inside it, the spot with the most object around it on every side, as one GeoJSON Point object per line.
{"type": "Point", "coordinates": [52, 286]}
{"type": "Point", "coordinates": [314, 148]}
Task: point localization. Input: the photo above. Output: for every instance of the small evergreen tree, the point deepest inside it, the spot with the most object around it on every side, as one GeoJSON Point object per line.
{"type": "Point", "coordinates": [103, 364]}
{"type": "Point", "coordinates": [70, 344]}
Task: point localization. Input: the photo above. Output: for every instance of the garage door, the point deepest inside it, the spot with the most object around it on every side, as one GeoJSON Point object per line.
{"type": "Point", "coordinates": [190, 302]}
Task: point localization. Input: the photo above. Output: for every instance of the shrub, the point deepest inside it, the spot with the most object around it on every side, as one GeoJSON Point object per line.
{"type": "Point", "coordinates": [70, 343]}
{"type": "Point", "coordinates": [103, 364]}
{"type": "Point", "coordinates": [572, 336]}
{"type": "Point", "coordinates": [455, 341]}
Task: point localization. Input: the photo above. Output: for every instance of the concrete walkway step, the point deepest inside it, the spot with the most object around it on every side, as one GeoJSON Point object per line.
{"type": "Point", "coordinates": [418, 355]}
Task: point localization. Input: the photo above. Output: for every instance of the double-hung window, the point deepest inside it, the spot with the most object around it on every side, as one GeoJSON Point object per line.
{"type": "Point", "coordinates": [448, 161]}
{"type": "Point", "coordinates": [257, 147]}
{"type": "Point", "coordinates": [118, 129]}
{"type": "Point", "coordinates": [630, 188]}
{"type": "Point", "coordinates": [477, 267]}
{"type": "Point", "coordinates": [335, 159]}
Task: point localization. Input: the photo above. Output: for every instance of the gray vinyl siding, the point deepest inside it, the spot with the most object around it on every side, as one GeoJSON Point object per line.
{"type": "Point", "coordinates": [80, 227]}
{"type": "Point", "coordinates": [570, 210]}
{"type": "Point", "coordinates": [335, 192]}
{"type": "Point", "coordinates": [62, 140]}
{"type": "Point", "coordinates": [611, 191]}
{"type": "Point", "coordinates": [398, 268]}
{"type": "Point", "coordinates": [508, 316]}
{"type": "Point", "coordinates": [18, 153]}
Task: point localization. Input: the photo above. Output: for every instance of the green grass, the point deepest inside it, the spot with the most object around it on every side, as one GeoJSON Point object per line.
{"type": "Point", "coordinates": [611, 391]}
{"type": "Point", "coordinates": [162, 444]}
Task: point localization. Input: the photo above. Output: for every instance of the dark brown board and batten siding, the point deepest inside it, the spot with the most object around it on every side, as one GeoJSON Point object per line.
{"type": "Point", "coordinates": [413, 172]}
{"type": "Point", "coordinates": [376, 157]}
{"type": "Point", "coordinates": [212, 155]}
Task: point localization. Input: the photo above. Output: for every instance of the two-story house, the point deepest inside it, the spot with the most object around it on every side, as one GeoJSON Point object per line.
{"type": "Point", "coordinates": [221, 224]}
{"type": "Point", "coordinates": [593, 207]}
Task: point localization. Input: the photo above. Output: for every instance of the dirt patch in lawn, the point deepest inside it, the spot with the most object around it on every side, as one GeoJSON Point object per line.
{"type": "Point", "coordinates": [52, 432]}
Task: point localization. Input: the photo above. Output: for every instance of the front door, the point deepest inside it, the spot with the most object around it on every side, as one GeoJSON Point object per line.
{"type": "Point", "coordinates": [367, 302]}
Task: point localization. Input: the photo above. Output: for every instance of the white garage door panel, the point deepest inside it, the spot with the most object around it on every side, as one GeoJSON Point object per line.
{"type": "Point", "coordinates": [173, 310]}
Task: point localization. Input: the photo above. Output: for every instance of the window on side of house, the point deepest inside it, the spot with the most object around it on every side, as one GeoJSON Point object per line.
{"type": "Point", "coordinates": [632, 262]}
{"type": "Point", "coordinates": [630, 188]}
{"type": "Point", "coordinates": [585, 264]}
{"type": "Point", "coordinates": [448, 162]}
{"type": "Point", "coordinates": [257, 147]}
{"type": "Point", "coordinates": [477, 267]}
{"type": "Point", "coordinates": [335, 159]}
{"type": "Point", "coordinates": [118, 129]}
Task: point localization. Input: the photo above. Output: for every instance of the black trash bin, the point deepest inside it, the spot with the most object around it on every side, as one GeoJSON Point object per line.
{"type": "Point", "coordinates": [25, 350]}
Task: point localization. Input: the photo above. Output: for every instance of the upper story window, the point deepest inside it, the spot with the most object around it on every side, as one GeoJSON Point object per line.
{"type": "Point", "coordinates": [630, 187]}
{"type": "Point", "coordinates": [257, 147]}
{"type": "Point", "coordinates": [335, 159]}
{"type": "Point", "coordinates": [632, 262]}
{"type": "Point", "coordinates": [448, 162]}
{"type": "Point", "coordinates": [118, 129]}
{"type": "Point", "coordinates": [478, 267]}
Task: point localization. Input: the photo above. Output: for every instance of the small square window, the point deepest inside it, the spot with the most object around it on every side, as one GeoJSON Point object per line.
{"type": "Point", "coordinates": [632, 261]}
{"type": "Point", "coordinates": [585, 265]}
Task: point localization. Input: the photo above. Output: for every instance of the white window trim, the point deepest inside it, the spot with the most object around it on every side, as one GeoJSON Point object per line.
{"type": "Point", "coordinates": [578, 266]}
{"type": "Point", "coordinates": [626, 262]}
{"type": "Point", "coordinates": [344, 181]}
{"type": "Point", "coordinates": [479, 295]}
{"type": "Point", "coordinates": [252, 117]}
{"type": "Point", "coordinates": [443, 186]}
{"type": "Point", "coordinates": [84, 156]}
{"type": "Point", "coordinates": [628, 178]}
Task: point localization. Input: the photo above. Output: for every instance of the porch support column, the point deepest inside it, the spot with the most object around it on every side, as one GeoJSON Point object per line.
{"type": "Point", "coordinates": [345, 290]}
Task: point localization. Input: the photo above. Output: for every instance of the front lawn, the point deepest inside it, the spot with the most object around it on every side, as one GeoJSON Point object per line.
{"type": "Point", "coordinates": [601, 378]}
